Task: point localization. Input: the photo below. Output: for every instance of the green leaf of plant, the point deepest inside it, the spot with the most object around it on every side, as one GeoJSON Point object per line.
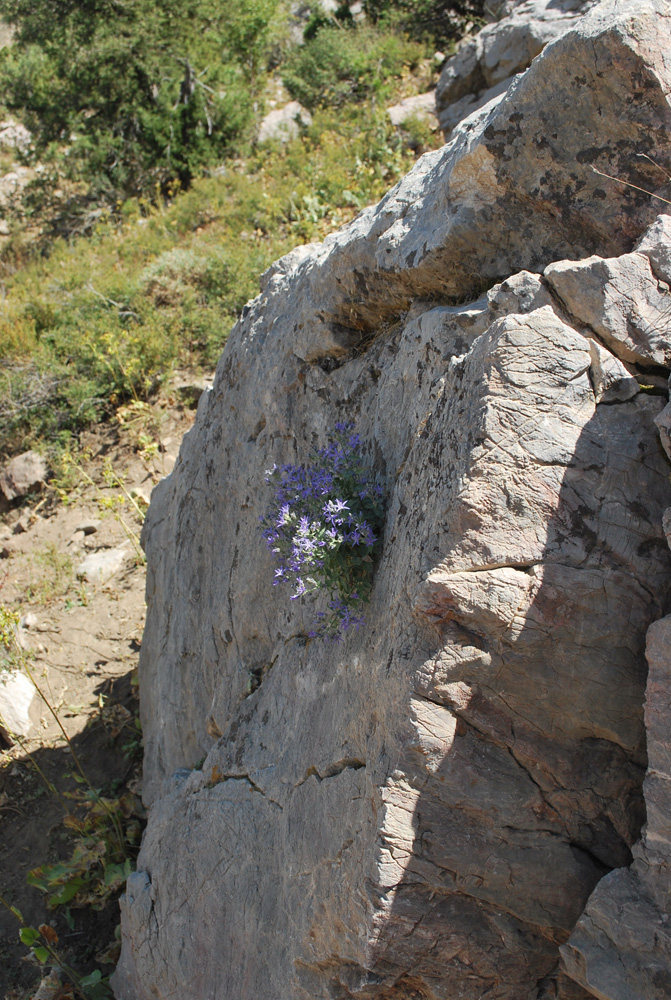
{"type": "Point", "coordinates": [92, 979]}
{"type": "Point", "coordinates": [29, 935]}
{"type": "Point", "coordinates": [66, 893]}
{"type": "Point", "coordinates": [41, 954]}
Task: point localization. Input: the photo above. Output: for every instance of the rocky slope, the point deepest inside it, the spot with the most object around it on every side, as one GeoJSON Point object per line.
{"type": "Point", "coordinates": [424, 810]}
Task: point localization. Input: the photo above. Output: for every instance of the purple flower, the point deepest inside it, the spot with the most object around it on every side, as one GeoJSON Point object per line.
{"type": "Point", "coordinates": [319, 514]}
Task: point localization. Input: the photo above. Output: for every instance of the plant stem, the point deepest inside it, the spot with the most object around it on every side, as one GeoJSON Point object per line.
{"type": "Point", "coordinates": [69, 972]}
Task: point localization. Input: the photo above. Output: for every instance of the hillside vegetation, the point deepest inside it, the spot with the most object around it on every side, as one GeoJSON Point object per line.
{"type": "Point", "coordinates": [151, 210]}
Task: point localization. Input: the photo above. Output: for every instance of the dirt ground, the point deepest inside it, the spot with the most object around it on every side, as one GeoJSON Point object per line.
{"type": "Point", "coordinates": [81, 629]}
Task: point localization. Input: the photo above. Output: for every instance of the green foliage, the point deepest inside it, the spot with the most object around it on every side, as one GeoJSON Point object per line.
{"type": "Point", "coordinates": [101, 859]}
{"type": "Point", "coordinates": [98, 321]}
{"type": "Point", "coordinates": [440, 21]}
{"type": "Point", "coordinates": [340, 64]}
{"type": "Point", "coordinates": [128, 96]}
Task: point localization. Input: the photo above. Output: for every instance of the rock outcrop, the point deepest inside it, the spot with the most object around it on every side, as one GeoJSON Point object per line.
{"type": "Point", "coordinates": [485, 64]}
{"type": "Point", "coordinates": [424, 810]}
{"type": "Point", "coordinates": [621, 947]}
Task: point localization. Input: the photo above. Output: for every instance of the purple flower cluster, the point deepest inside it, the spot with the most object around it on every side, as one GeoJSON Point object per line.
{"type": "Point", "coordinates": [322, 526]}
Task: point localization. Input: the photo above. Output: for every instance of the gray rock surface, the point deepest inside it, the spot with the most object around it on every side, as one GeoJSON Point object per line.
{"type": "Point", "coordinates": [284, 124]}
{"type": "Point", "coordinates": [418, 106]}
{"type": "Point", "coordinates": [22, 475]}
{"type": "Point", "coordinates": [621, 947]}
{"type": "Point", "coordinates": [485, 64]}
{"type": "Point", "coordinates": [424, 810]}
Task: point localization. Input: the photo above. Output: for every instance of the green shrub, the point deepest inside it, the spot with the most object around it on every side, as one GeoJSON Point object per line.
{"type": "Point", "coordinates": [128, 96]}
{"type": "Point", "coordinates": [438, 21]}
{"type": "Point", "coordinates": [341, 64]}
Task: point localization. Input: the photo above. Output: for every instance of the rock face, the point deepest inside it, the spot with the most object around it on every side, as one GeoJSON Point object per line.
{"type": "Point", "coordinates": [484, 65]}
{"type": "Point", "coordinates": [424, 810]}
{"type": "Point", "coordinates": [621, 947]}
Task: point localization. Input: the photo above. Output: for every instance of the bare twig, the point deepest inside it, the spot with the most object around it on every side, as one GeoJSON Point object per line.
{"type": "Point", "coordinates": [619, 180]}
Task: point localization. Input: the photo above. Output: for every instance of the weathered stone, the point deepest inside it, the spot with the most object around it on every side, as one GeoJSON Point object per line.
{"type": "Point", "coordinates": [425, 809]}
{"type": "Point", "coordinates": [24, 474]}
{"type": "Point", "coordinates": [656, 245]}
{"type": "Point", "coordinates": [611, 381]}
{"type": "Point", "coordinates": [419, 106]}
{"type": "Point", "coordinates": [491, 58]}
{"type": "Point", "coordinates": [621, 946]}
{"type": "Point", "coordinates": [520, 293]}
{"type": "Point", "coordinates": [89, 527]}
{"type": "Point", "coordinates": [16, 697]}
{"type": "Point", "coordinates": [98, 567]}
{"type": "Point", "coordinates": [622, 301]}
{"type": "Point", "coordinates": [284, 124]}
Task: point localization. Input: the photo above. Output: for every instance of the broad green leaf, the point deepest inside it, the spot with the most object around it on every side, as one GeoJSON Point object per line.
{"type": "Point", "coordinates": [29, 935]}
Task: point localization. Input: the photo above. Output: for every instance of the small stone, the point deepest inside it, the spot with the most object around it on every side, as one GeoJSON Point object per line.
{"type": "Point", "coordinates": [142, 494]}
{"type": "Point", "coordinates": [23, 523]}
{"type": "Point", "coordinates": [16, 696]}
{"type": "Point", "coordinates": [23, 475]}
{"type": "Point", "coordinates": [98, 567]}
{"type": "Point", "coordinates": [421, 106]}
{"type": "Point", "coordinates": [284, 124]}
{"type": "Point", "coordinates": [88, 527]}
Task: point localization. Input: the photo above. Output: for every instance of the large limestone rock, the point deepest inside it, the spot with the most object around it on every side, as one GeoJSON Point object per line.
{"type": "Point", "coordinates": [424, 810]}
{"type": "Point", "coordinates": [485, 64]}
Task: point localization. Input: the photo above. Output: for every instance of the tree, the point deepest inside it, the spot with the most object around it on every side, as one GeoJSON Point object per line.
{"type": "Point", "coordinates": [130, 93]}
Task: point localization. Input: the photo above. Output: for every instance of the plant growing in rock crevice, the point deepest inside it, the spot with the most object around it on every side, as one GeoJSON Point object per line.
{"type": "Point", "coordinates": [323, 526]}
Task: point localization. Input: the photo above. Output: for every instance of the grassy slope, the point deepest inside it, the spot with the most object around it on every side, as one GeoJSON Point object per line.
{"type": "Point", "coordinates": [101, 319]}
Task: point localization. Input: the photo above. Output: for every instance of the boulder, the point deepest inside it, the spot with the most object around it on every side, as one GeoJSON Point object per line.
{"type": "Point", "coordinates": [420, 106]}
{"type": "Point", "coordinates": [485, 64]}
{"type": "Point", "coordinates": [425, 809]}
{"type": "Point", "coordinates": [23, 474]}
{"type": "Point", "coordinates": [284, 124]}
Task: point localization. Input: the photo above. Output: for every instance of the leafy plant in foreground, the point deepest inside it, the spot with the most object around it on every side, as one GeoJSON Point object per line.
{"type": "Point", "coordinates": [323, 525]}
